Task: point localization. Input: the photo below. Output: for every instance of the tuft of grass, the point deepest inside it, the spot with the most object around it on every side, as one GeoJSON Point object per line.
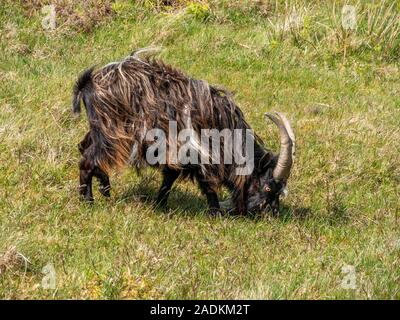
{"type": "Point", "coordinates": [321, 29]}
{"type": "Point", "coordinates": [11, 259]}
{"type": "Point", "coordinates": [383, 28]}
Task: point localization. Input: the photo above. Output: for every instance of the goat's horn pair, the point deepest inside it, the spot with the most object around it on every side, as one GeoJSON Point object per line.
{"type": "Point", "coordinates": [286, 154]}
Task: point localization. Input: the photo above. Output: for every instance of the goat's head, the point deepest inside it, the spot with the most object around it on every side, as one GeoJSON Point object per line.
{"type": "Point", "coordinates": [269, 181]}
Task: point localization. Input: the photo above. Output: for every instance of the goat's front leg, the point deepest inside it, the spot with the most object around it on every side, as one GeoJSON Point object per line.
{"type": "Point", "coordinates": [210, 192]}
{"type": "Point", "coordinates": [169, 177]}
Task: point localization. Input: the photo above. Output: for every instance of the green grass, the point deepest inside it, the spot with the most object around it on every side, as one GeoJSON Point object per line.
{"type": "Point", "coordinates": [343, 205]}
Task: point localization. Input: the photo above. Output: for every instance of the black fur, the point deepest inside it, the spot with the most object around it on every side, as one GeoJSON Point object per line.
{"type": "Point", "coordinates": [84, 83]}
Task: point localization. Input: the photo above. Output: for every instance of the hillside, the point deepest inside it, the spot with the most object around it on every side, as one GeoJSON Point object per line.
{"type": "Point", "coordinates": [338, 235]}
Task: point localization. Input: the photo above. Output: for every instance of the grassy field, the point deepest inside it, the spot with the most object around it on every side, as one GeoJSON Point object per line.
{"type": "Point", "coordinates": [340, 88]}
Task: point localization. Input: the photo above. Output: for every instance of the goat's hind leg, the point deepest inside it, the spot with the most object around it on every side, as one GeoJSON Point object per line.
{"type": "Point", "coordinates": [104, 181]}
{"type": "Point", "coordinates": [86, 168]}
{"type": "Point", "coordinates": [102, 177]}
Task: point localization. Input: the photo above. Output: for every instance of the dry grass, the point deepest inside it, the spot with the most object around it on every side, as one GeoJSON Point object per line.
{"type": "Point", "coordinates": [383, 28]}
{"type": "Point", "coordinates": [11, 259]}
{"type": "Point", "coordinates": [72, 15]}
{"type": "Point", "coordinates": [305, 25]}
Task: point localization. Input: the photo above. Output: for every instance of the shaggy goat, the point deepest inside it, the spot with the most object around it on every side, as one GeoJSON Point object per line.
{"type": "Point", "coordinates": [125, 99]}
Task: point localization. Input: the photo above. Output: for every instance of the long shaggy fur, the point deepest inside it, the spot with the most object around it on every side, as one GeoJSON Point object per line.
{"type": "Point", "coordinates": [125, 99]}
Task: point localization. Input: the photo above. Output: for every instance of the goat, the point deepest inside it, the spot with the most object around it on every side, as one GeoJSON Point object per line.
{"type": "Point", "coordinates": [125, 99]}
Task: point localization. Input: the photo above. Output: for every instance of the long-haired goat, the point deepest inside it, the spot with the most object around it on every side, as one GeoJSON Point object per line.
{"type": "Point", "coordinates": [125, 99]}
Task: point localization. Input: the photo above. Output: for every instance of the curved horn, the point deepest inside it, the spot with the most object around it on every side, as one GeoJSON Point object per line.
{"type": "Point", "coordinates": [282, 169]}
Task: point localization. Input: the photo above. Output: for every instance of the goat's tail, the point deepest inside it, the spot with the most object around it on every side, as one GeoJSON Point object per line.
{"type": "Point", "coordinates": [81, 87]}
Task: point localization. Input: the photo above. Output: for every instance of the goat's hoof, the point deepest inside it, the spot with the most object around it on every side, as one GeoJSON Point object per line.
{"type": "Point", "coordinates": [215, 212]}
{"type": "Point", "coordinates": [87, 199]}
{"type": "Point", "coordinates": [105, 191]}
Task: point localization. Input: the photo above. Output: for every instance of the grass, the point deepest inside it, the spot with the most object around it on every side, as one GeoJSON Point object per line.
{"type": "Point", "coordinates": [343, 205]}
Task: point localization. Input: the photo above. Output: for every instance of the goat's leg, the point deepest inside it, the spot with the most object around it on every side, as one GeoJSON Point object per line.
{"type": "Point", "coordinates": [104, 181]}
{"type": "Point", "coordinates": [86, 168]}
{"type": "Point", "coordinates": [85, 143]}
{"type": "Point", "coordinates": [102, 177]}
{"type": "Point", "coordinates": [210, 192]}
{"type": "Point", "coordinates": [169, 177]}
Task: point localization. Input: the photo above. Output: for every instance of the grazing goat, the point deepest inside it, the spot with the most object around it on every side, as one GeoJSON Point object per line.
{"type": "Point", "coordinates": [125, 100]}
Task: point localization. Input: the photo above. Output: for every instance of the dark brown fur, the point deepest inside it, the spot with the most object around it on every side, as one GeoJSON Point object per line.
{"type": "Point", "coordinates": [125, 99]}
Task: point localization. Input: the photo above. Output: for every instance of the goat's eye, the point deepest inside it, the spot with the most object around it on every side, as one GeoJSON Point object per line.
{"type": "Point", "coordinates": [267, 189]}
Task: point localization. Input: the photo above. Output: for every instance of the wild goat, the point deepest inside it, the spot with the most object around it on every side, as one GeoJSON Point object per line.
{"type": "Point", "coordinates": [125, 100]}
